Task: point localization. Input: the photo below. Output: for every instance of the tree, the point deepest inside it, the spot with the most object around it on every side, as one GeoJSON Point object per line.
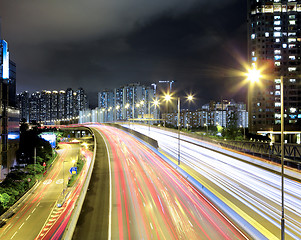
{"type": "Point", "coordinates": [4, 200]}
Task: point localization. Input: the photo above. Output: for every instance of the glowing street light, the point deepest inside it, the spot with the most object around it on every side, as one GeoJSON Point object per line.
{"type": "Point", "coordinates": [254, 75]}
{"type": "Point", "coordinates": [167, 97]}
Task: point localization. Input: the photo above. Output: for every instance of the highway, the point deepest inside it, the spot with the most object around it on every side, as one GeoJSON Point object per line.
{"type": "Point", "coordinates": [149, 199]}
{"type": "Point", "coordinates": [251, 191]}
{"type": "Point", "coordinates": [32, 214]}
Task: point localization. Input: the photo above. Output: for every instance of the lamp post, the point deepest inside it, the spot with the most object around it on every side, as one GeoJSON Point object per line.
{"type": "Point", "coordinates": [167, 99]}
{"type": "Point", "coordinates": [206, 125]}
{"type": "Point", "coordinates": [282, 159]}
{"type": "Point", "coordinates": [254, 76]}
{"type": "Point", "coordinates": [189, 98]}
{"type": "Point", "coordinates": [244, 131]}
{"type": "Point", "coordinates": [179, 131]}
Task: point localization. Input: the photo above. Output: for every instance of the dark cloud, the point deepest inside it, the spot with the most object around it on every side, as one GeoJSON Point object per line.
{"type": "Point", "coordinates": [104, 44]}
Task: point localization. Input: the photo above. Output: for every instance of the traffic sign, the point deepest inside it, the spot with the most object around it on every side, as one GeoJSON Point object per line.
{"type": "Point", "coordinates": [73, 170]}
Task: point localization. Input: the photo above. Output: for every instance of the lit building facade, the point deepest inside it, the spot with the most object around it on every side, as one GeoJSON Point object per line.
{"type": "Point", "coordinates": [48, 107]}
{"type": "Point", "coordinates": [9, 115]}
{"type": "Point", "coordinates": [212, 114]}
{"type": "Point", "coordinates": [274, 40]}
{"type": "Point", "coordinates": [132, 101]}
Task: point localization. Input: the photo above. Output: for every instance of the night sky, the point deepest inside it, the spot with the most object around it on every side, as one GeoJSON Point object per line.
{"type": "Point", "coordinates": [99, 44]}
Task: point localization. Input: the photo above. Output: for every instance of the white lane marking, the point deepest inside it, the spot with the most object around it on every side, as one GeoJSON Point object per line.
{"type": "Point", "coordinates": [13, 235]}
{"type": "Point", "coordinates": [60, 181]}
{"type": "Point", "coordinates": [48, 181]}
{"type": "Point", "coordinates": [28, 217]}
{"type": "Point", "coordinates": [38, 204]}
{"type": "Point", "coordinates": [21, 226]}
{"type": "Point", "coordinates": [33, 210]}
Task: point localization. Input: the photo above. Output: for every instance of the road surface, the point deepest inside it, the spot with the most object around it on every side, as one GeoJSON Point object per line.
{"type": "Point", "coordinates": [149, 200]}
{"type": "Point", "coordinates": [253, 192]}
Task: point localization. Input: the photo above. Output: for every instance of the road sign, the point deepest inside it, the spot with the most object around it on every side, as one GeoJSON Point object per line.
{"type": "Point", "coordinates": [73, 170]}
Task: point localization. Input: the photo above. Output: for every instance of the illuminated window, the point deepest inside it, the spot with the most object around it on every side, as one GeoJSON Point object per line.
{"type": "Point", "coordinates": [291, 45]}
{"type": "Point", "coordinates": [284, 45]}
{"type": "Point", "coordinates": [291, 40]}
{"type": "Point", "coordinates": [292, 22]}
{"type": "Point", "coordinates": [253, 53]}
{"type": "Point", "coordinates": [276, 17]}
{"type": "Point", "coordinates": [253, 36]}
{"type": "Point", "coordinates": [277, 22]}
{"type": "Point", "coordinates": [278, 81]}
{"type": "Point", "coordinates": [292, 80]}
{"type": "Point", "coordinates": [277, 40]}
{"type": "Point", "coordinates": [291, 7]}
{"type": "Point", "coordinates": [292, 69]}
{"type": "Point", "coordinates": [267, 34]}
{"type": "Point", "coordinates": [293, 110]}
{"type": "Point", "coordinates": [277, 87]}
{"type": "Point", "coordinates": [277, 93]}
{"type": "Point", "coordinates": [277, 52]}
{"type": "Point", "coordinates": [277, 64]}
{"type": "Point", "coordinates": [254, 59]}
{"type": "Point", "coordinates": [277, 115]}
{"type": "Point", "coordinates": [277, 34]}
{"type": "Point", "coordinates": [292, 57]}
{"type": "Point", "coordinates": [277, 29]}
{"type": "Point", "coordinates": [291, 34]}
{"type": "Point", "coordinates": [277, 57]}
{"type": "Point", "coordinates": [277, 104]}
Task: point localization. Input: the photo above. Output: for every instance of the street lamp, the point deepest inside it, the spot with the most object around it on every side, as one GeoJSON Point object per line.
{"type": "Point", "coordinates": [206, 125]}
{"type": "Point", "coordinates": [167, 99]}
{"type": "Point", "coordinates": [253, 76]}
{"type": "Point", "coordinates": [241, 126]}
{"type": "Point", "coordinates": [189, 98]}
{"type": "Point", "coordinates": [282, 159]}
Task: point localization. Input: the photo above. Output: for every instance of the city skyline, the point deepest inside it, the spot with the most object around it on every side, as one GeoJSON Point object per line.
{"type": "Point", "coordinates": [186, 42]}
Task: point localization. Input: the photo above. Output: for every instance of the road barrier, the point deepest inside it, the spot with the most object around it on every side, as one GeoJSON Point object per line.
{"type": "Point", "coordinates": [68, 233]}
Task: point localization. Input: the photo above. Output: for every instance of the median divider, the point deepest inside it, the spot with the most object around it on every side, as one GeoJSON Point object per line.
{"type": "Point", "coordinates": [69, 230]}
{"type": "Point", "coordinates": [145, 138]}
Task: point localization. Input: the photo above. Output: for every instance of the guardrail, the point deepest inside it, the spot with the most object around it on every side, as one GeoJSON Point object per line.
{"type": "Point", "coordinates": [68, 233]}
{"type": "Point", "coordinates": [292, 152]}
{"type": "Point", "coordinates": [145, 138]}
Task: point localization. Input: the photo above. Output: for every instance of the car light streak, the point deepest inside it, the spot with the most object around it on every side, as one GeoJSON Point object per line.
{"type": "Point", "coordinates": [254, 192]}
{"type": "Point", "coordinates": [151, 200]}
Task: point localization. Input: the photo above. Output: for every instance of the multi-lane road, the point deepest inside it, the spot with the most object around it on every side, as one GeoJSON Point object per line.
{"type": "Point", "coordinates": [33, 213]}
{"type": "Point", "coordinates": [147, 198]}
{"type": "Point", "coordinates": [251, 191]}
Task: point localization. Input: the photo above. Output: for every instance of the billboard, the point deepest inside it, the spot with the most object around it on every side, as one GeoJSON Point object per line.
{"type": "Point", "coordinates": [49, 137]}
{"type": "Point", "coordinates": [4, 60]}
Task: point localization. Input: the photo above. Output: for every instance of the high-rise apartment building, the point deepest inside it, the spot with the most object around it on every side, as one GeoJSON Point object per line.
{"type": "Point", "coordinates": [23, 103]}
{"type": "Point", "coordinates": [61, 104]}
{"type": "Point", "coordinates": [127, 102]}
{"type": "Point", "coordinates": [9, 120]}
{"type": "Point", "coordinates": [274, 42]}
{"type": "Point", "coordinates": [47, 106]}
